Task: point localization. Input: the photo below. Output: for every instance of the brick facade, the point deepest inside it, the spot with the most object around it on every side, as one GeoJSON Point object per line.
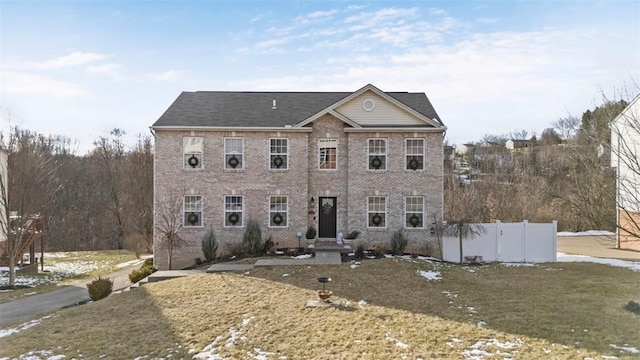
{"type": "Point", "coordinates": [351, 183]}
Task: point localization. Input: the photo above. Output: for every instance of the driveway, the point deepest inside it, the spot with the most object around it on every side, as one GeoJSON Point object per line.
{"type": "Point", "coordinates": [32, 305]}
{"type": "Point", "coordinates": [597, 246]}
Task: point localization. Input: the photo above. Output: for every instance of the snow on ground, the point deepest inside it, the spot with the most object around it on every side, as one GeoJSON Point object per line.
{"type": "Point", "coordinates": [626, 348]}
{"type": "Point", "coordinates": [430, 275]}
{"type": "Point", "coordinates": [25, 326]}
{"type": "Point", "coordinates": [586, 233]}
{"type": "Point", "coordinates": [301, 257]}
{"type": "Point", "coordinates": [562, 257]}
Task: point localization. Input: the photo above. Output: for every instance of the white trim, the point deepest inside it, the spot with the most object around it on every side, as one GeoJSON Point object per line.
{"type": "Point", "coordinates": [424, 154]}
{"type": "Point", "coordinates": [337, 146]}
{"type": "Point", "coordinates": [269, 212]}
{"type": "Point", "coordinates": [386, 212]}
{"type": "Point", "coordinates": [395, 129]}
{"type": "Point", "coordinates": [405, 213]}
{"type": "Point", "coordinates": [225, 211]}
{"type": "Point", "coordinates": [286, 154]}
{"type": "Point", "coordinates": [386, 155]}
{"type": "Point", "coordinates": [225, 165]}
{"type": "Point", "coordinates": [184, 211]}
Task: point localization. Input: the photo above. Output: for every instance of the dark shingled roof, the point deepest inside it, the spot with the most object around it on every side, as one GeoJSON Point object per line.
{"type": "Point", "coordinates": [254, 109]}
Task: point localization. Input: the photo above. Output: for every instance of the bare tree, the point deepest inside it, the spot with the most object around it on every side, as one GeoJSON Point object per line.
{"type": "Point", "coordinates": [27, 190]}
{"type": "Point", "coordinates": [168, 224]}
{"type": "Point", "coordinates": [111, 151]}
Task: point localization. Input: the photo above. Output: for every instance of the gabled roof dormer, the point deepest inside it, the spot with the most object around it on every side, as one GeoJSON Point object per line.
{"type": "Point", "coordinates": [371, 107]}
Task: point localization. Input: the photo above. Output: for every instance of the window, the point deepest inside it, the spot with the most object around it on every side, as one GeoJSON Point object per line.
{"type": "Point", "coordinates": [234, 153]}
{"type": "Point", "coordinates": [377, 212]}
{"type": "Point", "coordinates": [192, 211]}
{"type": "Point", "coordinates": [377, 154]}
{"type": "Point", "coordinates": [414, 149]}
{"type": "Point", "coordinates": [278, 154]}
{"type": "Point", "coordinates": [233, 211]}
{"type": "Point", "coordinates": [327, 154]}
{"type": "Point", "coordinates": [192, 148]}
{"type": "Point", "coordinates": [278, 211]}
{"type": "Point", "coordinates": [414, 212]}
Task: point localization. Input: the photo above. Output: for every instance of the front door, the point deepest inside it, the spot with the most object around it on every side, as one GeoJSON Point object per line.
{"type": "Point", "coordinates": [327, 217]}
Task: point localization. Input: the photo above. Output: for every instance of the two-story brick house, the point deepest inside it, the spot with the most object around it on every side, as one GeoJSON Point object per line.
{"type": "Point", "coordinates": [366, 160]}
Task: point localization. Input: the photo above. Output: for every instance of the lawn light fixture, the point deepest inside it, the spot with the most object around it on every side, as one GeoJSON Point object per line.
{"type": "Point", "coordinates": [324, 294]}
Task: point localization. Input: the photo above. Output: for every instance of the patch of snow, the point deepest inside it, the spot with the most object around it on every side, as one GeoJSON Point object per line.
{"type": "Point", "coordinates": [398, 343]}
{"type": "Point", "coordinates": [450, 294]}
{"type": "Point", "coordinates": [517, 264]}
{"type": "Point", "coordinates": [129, 263]}
{"type": "Point", "coordinates": [353, 266]}
{"type": "Point", "coordinates": [609, 357]}
{"type": "Point", "coordinates": [626, 348]}
{"type": "Point", "coordinates": [35, 355]}
{"type": "Point", "coordinates": [362, 303]}
{"type": "Point", "coordinates": [430, 275]}
{"type": "Point", "coordinates": [24, 326]}
{"type": "Point", "coordinates": [388, 256]}
{"type": "Point", "coordinates": [586, 233]}
{"type": "Point", "coordinates": [481, 324]}
{"type": "Point", "coordinates": [303, 256]}
{"type": "Point", "coordinates": [285, 275]}
{"type": "Point", "coordinates": [635, 266]}
{"type": "Point", "coordinates": [471, 309]}
{"type": "Point", "coordinates": [428, 258]}
{"type": "Point", "coordinates": [260, 354]}
{"type": "Point", "coordinates": [279, 252]}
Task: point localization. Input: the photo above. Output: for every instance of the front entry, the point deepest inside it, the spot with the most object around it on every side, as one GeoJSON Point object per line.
{"type": "Point", "coordinates": [327, 217]}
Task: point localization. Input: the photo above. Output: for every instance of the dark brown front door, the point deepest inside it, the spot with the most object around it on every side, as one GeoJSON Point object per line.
{"type": "Point", "coordinates": [327, 218]}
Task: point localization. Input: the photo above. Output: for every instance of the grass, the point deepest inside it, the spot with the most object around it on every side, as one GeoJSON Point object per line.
{"type": "Point", "coordinates": [70, 267]}
{"type": "Point", "coordinates": [387, 311]}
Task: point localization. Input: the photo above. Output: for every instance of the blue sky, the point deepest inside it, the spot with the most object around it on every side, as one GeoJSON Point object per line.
{"type": "Point", "coordinates": [82, 68]}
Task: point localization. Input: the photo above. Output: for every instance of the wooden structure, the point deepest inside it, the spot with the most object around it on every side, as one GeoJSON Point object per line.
{"type": "Point", "coordinates": [28, 230]}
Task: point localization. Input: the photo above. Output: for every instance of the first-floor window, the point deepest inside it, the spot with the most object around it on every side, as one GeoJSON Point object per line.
{"type": "Point", "coordinates": [233, 211]}
{"type": "Point", "coordinates": [414, 212]}
{"type": "Point", "coordinates": [192, 211]}
{"type": "Point", "coordinates": [377, 212]}
{"type": "Point", "coordinates": [278, 211]}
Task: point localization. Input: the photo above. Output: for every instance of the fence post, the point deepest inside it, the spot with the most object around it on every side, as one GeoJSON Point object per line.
{"type": "Point", "coordinates": [498, 234]}
{"type": "Point", "coordinates": [524, 240]}
{"type": "Point", "coordinates": [555, 240]}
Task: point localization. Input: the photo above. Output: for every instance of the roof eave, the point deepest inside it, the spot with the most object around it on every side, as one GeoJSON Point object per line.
{"type": "Point", "coordinates": [231, 128]}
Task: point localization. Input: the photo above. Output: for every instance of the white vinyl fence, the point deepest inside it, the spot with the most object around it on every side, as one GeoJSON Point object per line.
{"type": "Point", "coordinates": [507, 242]}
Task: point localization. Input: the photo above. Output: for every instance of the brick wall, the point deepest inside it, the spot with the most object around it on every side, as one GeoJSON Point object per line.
{"type": "Point", "coordinates": [351, 184]}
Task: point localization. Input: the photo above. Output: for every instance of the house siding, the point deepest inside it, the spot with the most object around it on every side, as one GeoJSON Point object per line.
{"type": "Point", "coordinates": [384, 113]}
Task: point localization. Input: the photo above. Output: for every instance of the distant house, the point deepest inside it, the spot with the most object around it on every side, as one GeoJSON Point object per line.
{"type": "Point", "coordinates": [625, 152]}
{"type": "Point", "coordinates": [464, 149]}
{"type": "Point", "coordinates": [366, 160]}
{"type": "Point", "coordinates": [518, 145]}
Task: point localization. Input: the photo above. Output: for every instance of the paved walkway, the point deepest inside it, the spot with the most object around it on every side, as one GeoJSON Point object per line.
{"type": "Point", "coordinates": [596, 246]}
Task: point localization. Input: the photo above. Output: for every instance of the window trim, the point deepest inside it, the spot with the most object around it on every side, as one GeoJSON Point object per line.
{"type": "Point", "coordinates": [385, 213]}
{"type": "Point", "coordinates": [184, 211]}
{"type": "Point", "coordinates": [285, 164]}
{"type": "Point", "coordinates": [424, 154]}
{"type": "Point", "coordinates": [225, 212]}
{"type": "Point", "coordinates": [422, 213]}
{"type": "Point", "coordinates": [185, 165]}
{"type": "Point", "coordinates": [225, 164]}
{"type": "Point", "coordinates": [320, 157]}
{"type": "Point", "coordinates": [272, 213]}
{"type": "Point", "coordinates": [385, 155]}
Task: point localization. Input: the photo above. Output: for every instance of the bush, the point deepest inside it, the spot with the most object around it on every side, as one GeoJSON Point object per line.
{"type": "Point", "coordinates": [252, 238]}
{"type": "Point", "coordinates": [100, 288]}
{"type": "Point", "coordinates": [398, 242]}
{"type": "Point", "coordinates": [209, 245]}
{"type": "Point", "coordinates": [633, 306]}
{"type": "Point", "coordinates": [311, 232]}
{"type": "Point", "coordinates": [145, 270]}
{"type": "Point", "coordinates": [360, 248]}
{"type": "Point", "coordinates": [352, 235]}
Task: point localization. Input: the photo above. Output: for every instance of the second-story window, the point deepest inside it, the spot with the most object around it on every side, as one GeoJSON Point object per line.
{"type": "Point", "coordinates": [234, 153]}
{"type": "Point", "coordinates": [377, 154]}
{"type": "Point", "coordinates": [192, 149]}
{"type": "Point", "coordinates": [327, 154]}
{"type": "Point", "coordinates": [278, 154]}
{"type": "Point", "coordinates": [414, 150]}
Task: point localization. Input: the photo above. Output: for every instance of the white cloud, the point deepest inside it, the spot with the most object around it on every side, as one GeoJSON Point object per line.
{"type": "Point", "coordinates": [23, 83]}
{"type": "Point", "coordinates": [73, 59]}
{"type": "Point", "coordinates": [103, 68]}
{"type": "Point", "coordinates": [171, 75]}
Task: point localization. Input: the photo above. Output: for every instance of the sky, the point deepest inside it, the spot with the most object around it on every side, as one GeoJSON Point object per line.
{"type": "Point", "coordinates": [82, 68]}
